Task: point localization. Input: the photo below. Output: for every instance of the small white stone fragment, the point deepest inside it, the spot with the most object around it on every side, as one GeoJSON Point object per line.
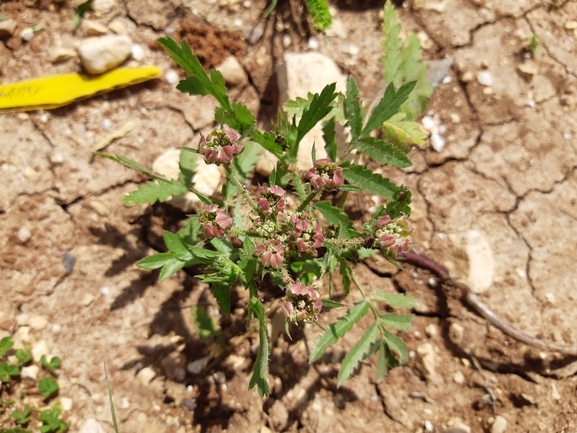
{"type": "Point", "coordinates": [7, 28]}
{"type": "Point", "coordinates": [27, 34]}
{"type": "Point", "coordinates": [30, 372]}
{"type": "Point", "coordinates": [232, 71]}
{"type": "Point", "coordinates": [437, 141]}
{"type": "Point", "coordinates": [137, 52]}
{"type": "Point", "coordinates": [24, 234]}
{"type": "Point", "coordinates": [91, 426]}
{"type": "Point", "coordinates": [459, 378]}
{"type": "Point", "coordinates": [66, 404]}
{"type": "Point", "coordinates": [254, 35]}
{"type": "Point", "coordinates": [102, 53]}
{"type": "Point", "coordinates": [485, 78]}
{"type": "Point", "coordinates": [447, 79]}
{"type": "Point", "coordinates": [499, 425]}
{"type": "Point", "coordinates": [40, 348]}
{"type": "Point", "coordinates": [432, 330]}
{"type": "Point", "coordinates": [117, 26]}
{"type": "Point", "coordinates": [92, 28]}
{"type": "Point", "coordinates": [105, 290]}
{"type": "Point", "coordinates": [106, 124]}
{"type": "Point", "coordinates": [286, 40]}
{"type": "Point", "coordinates": [38, 322]}
{"type": "Point", "coordinates": [219, 377]}
{"type": "Point", "coordinates": [481, 261]}
{"type": "Point", "coordinates": [171, 76]}
{"type": "Point", "coordinates": [570, 25]}
{"type": "Point", "coordinates": [61, 54]}
{"type": "Point", "coordinates": [429, 426]}
{"type": "Point", "coordinates": [427, 362]}
{"type": "Point", "coordinates": [146, 375]}
{"type": "Point", "coordinates": [103, 6]}
{"type": "Point", "coordinates": [197, 366]}
{"type": "Point", "coordinates": [87, 299]}
{"type": "Point", "coordinates": [313, 43]}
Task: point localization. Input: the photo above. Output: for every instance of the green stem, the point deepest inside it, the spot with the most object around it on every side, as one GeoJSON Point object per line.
{"type": "Point", "coordinates": [307, 200]}
{"type": "Point", "coordinates": [371, 305]}
{"type": "Point", "coordinates": [232, 177]}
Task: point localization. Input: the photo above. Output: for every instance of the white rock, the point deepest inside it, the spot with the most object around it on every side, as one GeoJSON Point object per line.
{"type": "Point", "coordinates": [570, 25]}
{"type": "Point", "coordinates": [137, 52]}
{"type": "Point", "coordinates": [195, 367]}
{"type": "Point", "coordinates": [103, 53]}
{"type": "Point", "coordinates": [206, 180]}
{"type": "Point", "coordinates": [87, 299]}
{"type": "Point", "coordinates": [481, 261]}
{"type": "Point", "coordinates": [232, 71]}
{"type": "Point", "coordinates": [103, 6]}
{"type": "Point", "coordinates": [219, 377]}
{"type": "Point", "coordinates": [427, 362]}
{"type": "Point", "coordinates": [66, 404]}
{"type": "Point", "coordinates": [7, 28]}
{"type": "Point", "coordinates": [146, 375]}
{"type": "Point", "coordinates": [30, 372]}
{"type": "Point", "coordinates": [117, 26]}
{"type": "Point", "coordinates": [22, 335]}
{"type": "Point", "coordinates": [92, 28]}
{"type": "Point", "coordinates": [171, 76]}
{"type": "Point", "coordinates": [91, 426]}
{"type": "Point", "coordinates": [313, 43]}
{"type": "Point", "coordinates": [38, 322]}
{"type": "Point", "coordinates": [432, 330]}
{"type": "Point", "coordinates": [485, 78]}
{"type": "Point", "coordinates": [499, 425]}
{"type": "Point", "coordinates": [459, 378]}
{"type": "Point", "coordinates": [437, 141]}
{"type": "Point", "coordinates": [61, 54]}
{"type": "Point", "coordinates": [24, 234]}
{"type": "Point", "coordinates": [27, 34]}
{"type": "Point", "coordinates": [39, 349]}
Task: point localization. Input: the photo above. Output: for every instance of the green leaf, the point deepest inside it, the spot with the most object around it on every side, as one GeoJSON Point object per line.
{"type": "Point", "coordinates": [329, 135]}
{"type": "Point", "coordinates": [328, 303]}
{"type": "Point", "coordinates": [318, 109]}
{"type": "Point", "coordinates": [187, 166]}
{"type": "Point", "coordinates": [397, 321]}
{"type": "Point", "coordinates": [51, 423]}
{"type": "Point", "coordinates": [190, 230]}
{"type": "Point", "coordinates": [24, 355]}
{"type": "Point", "coordinates": [199, 83]}
{"type": "Point", "coordinates": [156, 261]}
{"type": "Point", "coordinates": [80, 10]}
{"type": "Point", "coordinates": [382, 152]}
{"type": "Point", "coordinates": [388, 106]}
{"type": "Point", "coordinates": [5, 344]}
{"type": "Point", "coordinates": [22, 417]}
{"type": "Point", "coordinates": [382, 361]}
{"type": "Point", "coordinates": [170, 268]}
{"type": "Point", "coordinates": [222, 295]}
{"type": "Point", "coordinates": [47, 386]}
{"type": "Point", "coordinates": [400, 204]}
{"type": "Point", "coordinates": [7, 371]}
{"type": "Point", "coordinates": [337, 218]}
{"type": "Point", "coordinates": [372, 182]}
{"type": "Point", "coordinates": [337, 330]}
{"type": "Point", "coordinates": [403, 132]}
{"type": "Point", "coordinates": [346, 274]}
{"type": "Point", "coordinates": [177, 246]}
{"type": "Point", "coordinates": [204, 323]}
{"type": "Point", "coordinates": [396, 345]}
{"type": "Point", "coordinates": [267, 140]}
{"type": "Point", "coordinates": [319, 10]}
{"type": "Point", "coordinates": [242, 167]}
{"type": "Point", "coordinates": [402, 63]}
{"type": "Point", "coordinates": [240, 118]}
{"type": "Point", "coordinates": [353, 109]}
{"type": "Point", "coordinates": [155, 191]}
{"type": "Point", "coordinates": [393, 299]}
{"type": "Point", "coordinates": [359, 352]}
{"type": "Point", "coordinates": [130, 163]}
{"type": "Point", "coordinates": [54, 363]}
{"type": "Point", "coordinates": [260, 368]}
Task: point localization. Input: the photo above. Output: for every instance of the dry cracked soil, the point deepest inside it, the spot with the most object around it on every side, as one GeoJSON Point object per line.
{"type": "Point", "coordinates": [497, 205]}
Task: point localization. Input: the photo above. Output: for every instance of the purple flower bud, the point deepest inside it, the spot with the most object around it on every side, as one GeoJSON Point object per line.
{"type": "Point", "coordinates": [301, 303]}
{"type": "Point", "coordinates": [325, 175]}
{"type": "Point", "coordinates": [215, 222]}
{"type": "Point", "coordinates": [220, 146]}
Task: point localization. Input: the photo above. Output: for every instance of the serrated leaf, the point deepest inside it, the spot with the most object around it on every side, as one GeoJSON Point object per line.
{"type": "Point", "coordinates": [402, 132]}
{"type": "Point", "coordinates": [401, 322]}
{"type": "Point", "coordinates": [204, 323]}
{"type": "Point", "coordinates": [400, 204]}
{"type": "Point", "coordinates": [267, 140]}
{"type": "Point", "coordinates": [156, 261]}
{"type": "Point", "coordinates": [393, 299]}
{"type": "Point", "coordinates": [337, 330]}
{"type": "Point", "coordinates": [222, 295]}
{"type": "Point", "coordinates": [372, 182]}
{"type": "Point", "coordinates": [328, 303]}
{"type": "Point", "coordinates": [359, 352]}
{"type": "Point", "coordinates": [240, 118]}
{"type": "Point", "coordinates": [353, 109]}
{"type": "Point", "coordinates": [346, 274]}
{"type": "Point", "coordinates": [320, 106]}
{"type": "Point", "coordinates": [130, 163]}
{"type": "Point", "coordinates": [176, 246]}
{"type": "Point", "coordinates": [396, 345]}
{"type": "Point", "coordinates": [199, 83]}
{"type": "Point", "coordinates": [383, 152]}
{"type": "Point", "coordinates": [187, 166]}
{"type": "Point", "coordinates": [154, 191]}
{"type": "Point", "coordinates": [382, 364]}
{"type": "Point", "coordinates": [337, 218]}
{"type": "Point", "coordinates": [260, 368]}
{"type": "Point", "coordinates": [319, 10]}
{"type": "Point", "coordinates": [329, 135]}
{"type": "Point", "coordinates": [388, 106]}
{"type": "Point", "coordinates": [170, 268]}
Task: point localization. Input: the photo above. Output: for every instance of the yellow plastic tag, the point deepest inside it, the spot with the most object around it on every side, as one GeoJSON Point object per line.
{"type": "Point", "coordinates": [56, 91]}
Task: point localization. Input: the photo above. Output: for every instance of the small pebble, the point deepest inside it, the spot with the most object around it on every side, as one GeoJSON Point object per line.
{"type": "Point", "coordinates": [38, 322]}
{"type": "Point", "coordinates": [447, 79]}
{"type": "Point", "coordinates": [66, 403]}
{"type": "Point", "coordinates": [313, 43]}
{"type": "Point", "coordinates": [106, 124]}
{"type": "Point", "coordinates": [87, 299]}
{"type": "Point", "coordinates": [137, 52]}
{"type": "Point", "coordinates": [189, 404]}
{"type": "Point", "coordinates": [40, 348]}
{"type": "Point", "coordinates": [146, 375]}
{"type": "Point", "coordinates": [171, 76]}
{"type": "Point", "coordinates": [105, 290]}
{"type": "Point", "coordinates": [429, 426]}
{"type": "Point", "coordinates": [24, 234]}
{"type": "Point", "coordinates": [27, 34]}
{"type": "Point", "coordinates": [219, 377]}
{"type": "Point", "coordinates": [437, 141]}
{"type": "Point", "coordinates": [30, 372]}
{"type": "Point", "coordinates": [485, 78]}
{"type": "Point", "coordinates": [254, 35]}
{"type": "Point", "coordinates": [459, 378]}
{"type": "Point", "coordinates": [432, 330]}
{"type": "Point", "coordinates": [69, 261]}
{"type": "Point", "coordinates": [197, 366]}
{"type": "Point", "coordinates": [499, 425]}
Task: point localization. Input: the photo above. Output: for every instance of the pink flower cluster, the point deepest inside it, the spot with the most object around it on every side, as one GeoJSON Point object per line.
{"type": "Point", "coordinates": [306, 236]}
{"type": "Point", "coordinates": [271, 253]}
{"type": "Point", "coordinates": [220, 146]}
{"type": "Point", "coordinates": [325, 175]}
{"type": "Point", "coordinates": [270, 199]}
{"type": "Point", "coordinates": [394, 235]}
{"type": "Point", "coordinates": [301, 303]}
{"type": "Point", "coordinates": [215, 222]}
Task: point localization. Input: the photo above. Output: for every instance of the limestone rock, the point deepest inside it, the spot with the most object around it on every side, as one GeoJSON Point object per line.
{"type": "Point", "coordinates": [103, 53]}
{"type": "Point", "coordinates": [232, 71]}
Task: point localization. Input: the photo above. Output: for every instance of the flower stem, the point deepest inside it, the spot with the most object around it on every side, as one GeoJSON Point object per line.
{"type": "Point", "coordinates": [307, 200]}
{"type": "Point", "coordinates": [232, 177]}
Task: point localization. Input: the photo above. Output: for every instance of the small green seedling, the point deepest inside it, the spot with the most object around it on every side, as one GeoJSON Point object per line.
{"type": "Point", "coordinates": [22, 417]}
{"type": "Point", "coordinates": [51, 365]}
{"type": "Point", "coordinates": [532, 44]}
{"type": "Point", "coordinates": [48, 387]}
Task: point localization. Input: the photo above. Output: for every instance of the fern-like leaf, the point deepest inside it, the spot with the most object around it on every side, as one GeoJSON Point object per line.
{"type": "Point", "coordinates": [372, 182]}
{"type": "Point", "coordinates": [154, 191]}
{"type": "Point", "coordinates": [319, 10]}
{"type": "Point", "coordinates": [360, 351]}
